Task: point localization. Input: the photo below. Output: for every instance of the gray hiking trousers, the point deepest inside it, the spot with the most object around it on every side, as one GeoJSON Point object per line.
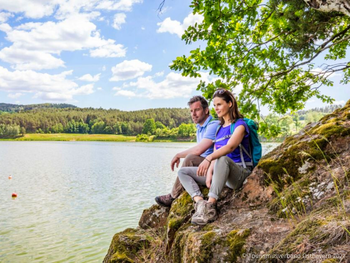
{"type": "Point", "coordinates": [226, 172]}
{"type": "Point", "coordinates": [190, 160]}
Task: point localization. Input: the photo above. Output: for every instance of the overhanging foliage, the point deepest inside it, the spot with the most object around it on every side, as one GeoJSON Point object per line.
{"type": "Point", "coordinates": [265, 51]}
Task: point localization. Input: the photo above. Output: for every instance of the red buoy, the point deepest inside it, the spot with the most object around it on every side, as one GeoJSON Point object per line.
{"type": "Point", "coordinates": [14, 194]}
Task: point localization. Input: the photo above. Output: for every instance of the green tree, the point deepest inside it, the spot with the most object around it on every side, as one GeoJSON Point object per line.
{"type": "Point", "coordinates": [186, 130]}
{"type": "Point", "coordinates": [149, 126]}
{"type": "Point", "coordinates": [23, 131]}
{"type": "Point", "coordinates": [159, 125]}
{"type": "Point", "coordinates": [296, 121]}
{"type": "Point", "coordinates": [313, 116]}
{"type": "Point", "coordinates": [98, 127]}
{"type": "Point", "coordinates": [268, 48]}
{"type": "Point", "coordinates": [9, 131]}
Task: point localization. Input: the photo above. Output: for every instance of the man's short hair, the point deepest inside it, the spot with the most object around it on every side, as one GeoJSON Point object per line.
{"type": "Point", "coordinates": [203, 101]}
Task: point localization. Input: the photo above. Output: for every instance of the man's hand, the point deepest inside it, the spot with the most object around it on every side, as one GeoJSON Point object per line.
{"type": "Point", "coordinates": [175, 160]}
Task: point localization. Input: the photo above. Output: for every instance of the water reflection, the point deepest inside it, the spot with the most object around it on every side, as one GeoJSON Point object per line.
{"type": "Point", "coordinates": [73, 196]}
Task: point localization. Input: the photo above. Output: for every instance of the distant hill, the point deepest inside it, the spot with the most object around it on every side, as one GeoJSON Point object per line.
{"type": "Point", "coordinates": [18, 107]}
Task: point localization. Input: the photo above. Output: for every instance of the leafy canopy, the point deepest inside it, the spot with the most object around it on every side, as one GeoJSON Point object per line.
{"type": "Point", "coordinates": [265, 51]}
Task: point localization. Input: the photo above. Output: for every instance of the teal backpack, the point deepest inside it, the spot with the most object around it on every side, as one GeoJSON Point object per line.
{"type": "Point", "coordinates": [254, 152]}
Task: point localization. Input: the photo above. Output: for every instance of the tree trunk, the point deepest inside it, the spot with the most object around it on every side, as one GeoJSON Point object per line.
{"type": "Point", "coordinates": [342, 6]}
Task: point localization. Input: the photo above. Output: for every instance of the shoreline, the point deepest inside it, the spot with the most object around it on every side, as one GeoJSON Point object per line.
{"type": "Point", "coordinates": [71, 137]}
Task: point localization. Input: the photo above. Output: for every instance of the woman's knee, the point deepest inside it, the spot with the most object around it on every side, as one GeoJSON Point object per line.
{"type": "Point", "coordinates": [182, 174]}
{"type": "Point", "coordinates": [223, 160]}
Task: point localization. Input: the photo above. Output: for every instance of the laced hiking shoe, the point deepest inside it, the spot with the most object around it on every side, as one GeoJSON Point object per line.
{"type": "Point", "coordinates": [205, 213]}
{"type": "Point", "coordinates": [164, 200]}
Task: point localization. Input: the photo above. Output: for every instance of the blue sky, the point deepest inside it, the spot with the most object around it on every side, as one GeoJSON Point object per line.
{"type": "Point", "coordinates": [109, 54]}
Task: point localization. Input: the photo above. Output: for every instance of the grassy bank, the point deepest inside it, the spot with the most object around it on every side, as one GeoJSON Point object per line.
{"type": "Point", "coordinates": [74, 137]}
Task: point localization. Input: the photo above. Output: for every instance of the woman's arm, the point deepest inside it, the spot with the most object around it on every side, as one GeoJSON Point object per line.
{"type": "Point", "coordinates": [210, 174]}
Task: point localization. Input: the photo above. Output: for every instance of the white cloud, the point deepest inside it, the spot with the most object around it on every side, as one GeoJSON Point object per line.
{"type": "Point", "coordinates": [42, 85]}
{"type": "Point", "coordinates": [125, 93]}
{"type": "Point", "coordinates": [99, 88]}
{"type": "Point", "coordinates": [4, 16]}
{"type": "Point", "coordinates": [5, 27]}
{"type": "Point", "coordinates": [84, 90]}
{"type": "Point", "coordinates": [14, 95]}
{"type": "Point", "coordinates": [31, 9]}
{"type": "Point", "coordinates": [119, 19]}
{"type": "Point", "coordinates": [129, 69]}
{"type": "Point", "coordinates": [110, 50]}
{"type": "Point", "coordinates": [143, 28]}
{"type": "Point", "coordinates": [337, 102]}
{"type": "Point", "coordinates": [88, 77]}
{"type": "Point", "coordinates": [63, 8]}
{"type": "Point", "coordinates": [159, 74]}
{"type": "Point", "coordinates": [23, 59]}
{"type": "Point", "coordinates": [121, 5]}
{"type": "Point", "coordinates": [104, 68]}
{"type": "Point", "coordinates": [173, 86]}
{"type": "Point", "coordinates": [44, 40]}
{"type": "Point", "coordinates": [176, 27]}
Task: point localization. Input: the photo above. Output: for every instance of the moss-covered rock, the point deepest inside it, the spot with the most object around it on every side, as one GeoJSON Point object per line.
{"type": "Point", "coordinates": [125, 246]}
{"type": "Point", "coordinates": [236, 240]}
{"type": "Point", "coordinates": [296, 203]}
{"type": "Point", "coordinates": [154, 217]}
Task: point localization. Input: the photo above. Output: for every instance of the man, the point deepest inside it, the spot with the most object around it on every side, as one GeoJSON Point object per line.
{"type": "Point", "coordinates": [206, 129]}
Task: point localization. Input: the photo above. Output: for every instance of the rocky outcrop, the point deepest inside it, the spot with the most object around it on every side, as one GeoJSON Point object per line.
{"type": "Point", "coordinates": [294, 207]}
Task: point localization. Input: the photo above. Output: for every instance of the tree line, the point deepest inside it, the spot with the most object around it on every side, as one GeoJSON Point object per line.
{"type": "Point", "coordinates": [94, 121]}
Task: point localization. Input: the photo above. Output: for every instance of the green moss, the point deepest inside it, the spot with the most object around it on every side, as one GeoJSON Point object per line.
{"type": "Point", "coordinates": [291, 198]}
{"type": "Point", "coordinates": [178, 246]}
{"type": "Point", "coordinates": [121, 258]}
{"type": "Point", "coordinates": [206, 248]}
{"type": "Point", "coordinates": [127, 243]}
{"type": "Point", "coordinates": [235, 241]}
{"type": "Point", "coordinates": [182, 205]}
{"type": "Point", "coordinates": [208, 227]}
{"type": "Point", "coordinates": [330, 260]}
{"type": "Point", "coordinates": [174, 223]}
{"type": "Point", "coordinates": [287, 164]}
{"type": "Point", "coordinates": [331, 129]}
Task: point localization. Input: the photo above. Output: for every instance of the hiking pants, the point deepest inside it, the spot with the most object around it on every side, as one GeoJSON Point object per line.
{"type": "Point", "coordinates": [226, 172]}
{"type": "Point", "coordinates": [190, 160]}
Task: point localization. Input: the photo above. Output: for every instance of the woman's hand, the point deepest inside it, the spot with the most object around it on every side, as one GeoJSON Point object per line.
{"type": "Point", "coordinates": [203, 168]}
{"type": "Point", "coordinates": [209, 177]}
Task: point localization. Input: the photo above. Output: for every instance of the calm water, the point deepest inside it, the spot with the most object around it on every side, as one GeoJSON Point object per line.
{"type": "Point", "coordinates": [74, 196]}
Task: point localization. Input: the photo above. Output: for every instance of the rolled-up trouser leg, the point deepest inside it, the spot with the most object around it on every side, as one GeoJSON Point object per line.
{"type": "Point", "coordinates": [190, 161]}
{"type": "Point", "coordinates": [190, 181]}
{"type": "Point", "coordinates": [227, 172]}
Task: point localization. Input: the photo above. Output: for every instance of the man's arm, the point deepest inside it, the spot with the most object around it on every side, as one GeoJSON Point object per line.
{"type": "Point", "coordinates": [196, 150]}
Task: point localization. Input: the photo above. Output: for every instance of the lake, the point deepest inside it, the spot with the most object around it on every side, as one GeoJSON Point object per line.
{"type": "Point", "coordinates": [74, 196]}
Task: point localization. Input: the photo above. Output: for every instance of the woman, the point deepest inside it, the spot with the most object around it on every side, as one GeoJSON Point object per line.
{"type": "Point", "coordinates": [224, 165]}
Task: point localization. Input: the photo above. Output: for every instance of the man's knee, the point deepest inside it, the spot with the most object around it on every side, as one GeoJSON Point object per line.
{"type": "Point", "coordinates": [191, 160]}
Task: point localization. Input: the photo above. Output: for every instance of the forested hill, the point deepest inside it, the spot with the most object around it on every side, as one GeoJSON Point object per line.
{"type": "Point", "coordinates": [90, 120]}
{"type": "Point", "coordinates": [16, 107]}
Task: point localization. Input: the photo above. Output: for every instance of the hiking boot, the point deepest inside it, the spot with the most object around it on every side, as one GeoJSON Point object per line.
{"type": "Point", "coordinates": [205, 213]}
{"type": "Point", "coordinates": [164, 200]}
